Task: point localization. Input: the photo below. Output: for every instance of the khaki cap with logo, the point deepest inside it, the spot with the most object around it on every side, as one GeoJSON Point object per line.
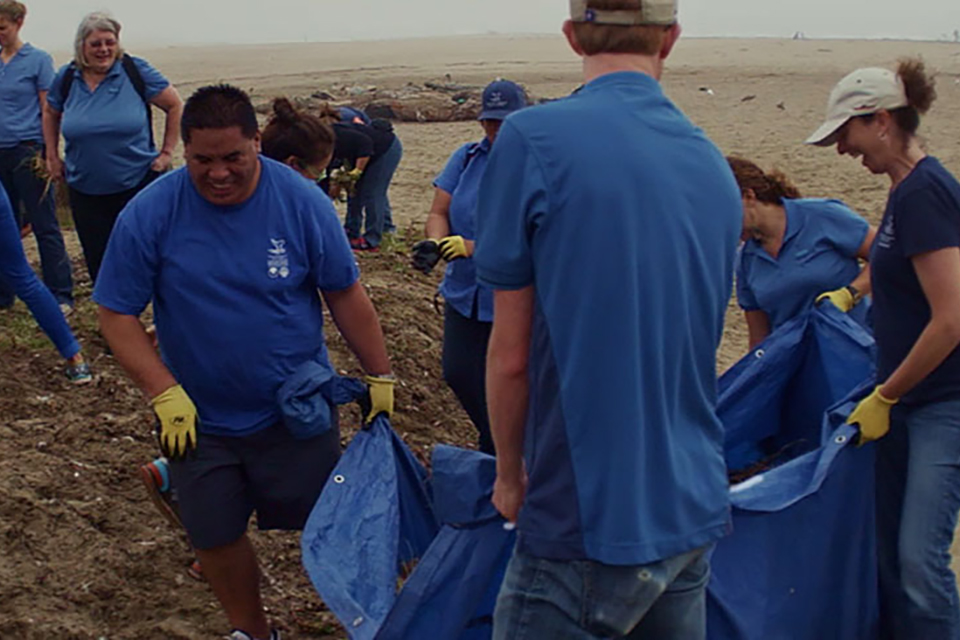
{"type": "Point", "coordinates": [650, 12]}
{"type": "Point", "coordinates": [861, 93]}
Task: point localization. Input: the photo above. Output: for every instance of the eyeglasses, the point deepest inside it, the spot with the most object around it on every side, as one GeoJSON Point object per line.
{"type": "Point", "coordinates": [96, 44]}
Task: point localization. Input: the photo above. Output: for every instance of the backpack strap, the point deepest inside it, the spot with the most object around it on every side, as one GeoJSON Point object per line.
{"type": "Point", "coordinates": [130, 67]}
{"type": "Point", "coordinates": [68, 77]}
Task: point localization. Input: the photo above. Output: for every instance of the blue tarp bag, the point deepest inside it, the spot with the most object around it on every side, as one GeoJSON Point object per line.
{"type": "Point", "coordinates": [800, 563]}
{"type": "Point", "coordinates": [378, 516]}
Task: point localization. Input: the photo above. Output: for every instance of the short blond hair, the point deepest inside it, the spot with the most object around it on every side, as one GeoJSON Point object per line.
{"type": "Point", "coordinates": [12, 10]}
{"type": "Point", "coordinates": [96, 21]}
{"type": "Point", "coordinates": [602, 38]}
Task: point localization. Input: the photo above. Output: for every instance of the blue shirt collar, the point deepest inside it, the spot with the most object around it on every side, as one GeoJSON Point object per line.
{"type": "Point", "coordinates": [623, 77]}
{"type": "Point", "coordinates": [751, 246]}
{"type": "Point", "coordinates": [24, 50]}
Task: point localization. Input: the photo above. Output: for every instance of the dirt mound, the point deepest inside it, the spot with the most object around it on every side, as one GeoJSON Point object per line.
{"type": "Point", "coordinates": [84, 555]}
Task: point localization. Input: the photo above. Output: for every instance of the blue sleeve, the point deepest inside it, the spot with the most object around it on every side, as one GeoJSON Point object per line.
{"type": "Point", "coordinates": [152, 79]}
{"type": "Point", "coordinates": [335, 267]}
{"type": "Point", "coordinates": [44, 72]}
{"type": "Point", "coordinates": [449, 178]}
{"type": "Point", "coordinates": [927, 219]}
{"type": "Point", "coordinates": [512, 200]}
{"type": "Point", "coordinates": [53, 97]}
{"type": "Point", "coordinates": [125, 283]}
{"type": "Point", "coordinates": [843, 228]}
{"type": "Point", "coordinates": [745, 295]}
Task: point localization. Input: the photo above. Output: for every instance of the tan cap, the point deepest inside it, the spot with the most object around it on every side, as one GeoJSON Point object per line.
{"type": "Point", "coordinates": [650, 12]}
{"type": "Point", "coordinates": [861, 93]}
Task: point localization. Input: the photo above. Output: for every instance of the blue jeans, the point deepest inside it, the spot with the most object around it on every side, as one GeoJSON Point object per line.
{"type": "Point", "coordinates": [15, 270]}
{"type": "Point", "coordinates": [371, 198]}
{"type": "Point", "coordinates": [24, 187]}
{"type": "Point", "coordinates": [918, 499]}
{"type": "Point", "coordinates": [585, 600]}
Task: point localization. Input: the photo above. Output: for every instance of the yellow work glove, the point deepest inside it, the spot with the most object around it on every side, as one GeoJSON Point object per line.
{"type": "Point", "coordinates": [354, 174]}
{"type": "Point", "coordinates": [453, 247]}
{"type": "Point", "coordinates": [381, 396]}
{"type": "Point", "coordinates": [178, 422]}
{"type": "Point", "coordinates": [872, 415]}
{"type": "Point", "coordinates": [843, 298]}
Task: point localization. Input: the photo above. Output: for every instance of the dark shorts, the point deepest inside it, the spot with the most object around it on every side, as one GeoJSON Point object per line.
{"type": "Point", "coordinates": [226, 479]}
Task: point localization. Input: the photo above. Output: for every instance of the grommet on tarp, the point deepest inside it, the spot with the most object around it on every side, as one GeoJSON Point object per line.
{"type": "Point", "coordinates": [339, 479]}
{"type": "Point", "coordinates": [840, 439]}
{"type": "Point", "coordinates": [358, 621]}
{"type": "Point", "coordinates": [759, 353]}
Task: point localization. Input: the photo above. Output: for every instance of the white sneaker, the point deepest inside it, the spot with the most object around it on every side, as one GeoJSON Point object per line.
{"type": "Point", "coordinates": [66, 309]}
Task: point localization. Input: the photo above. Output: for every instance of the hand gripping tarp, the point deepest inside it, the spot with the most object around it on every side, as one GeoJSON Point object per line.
{"type": "Point", "coordinates": [800, 563]}
{"type": "Point", "coordinates": [378, 516]}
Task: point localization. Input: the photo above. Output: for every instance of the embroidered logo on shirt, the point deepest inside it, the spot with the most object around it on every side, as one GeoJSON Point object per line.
{"type": "Point", "coordinates": [887, 234]}
{"type": "Point", "coordinates": [278, 265]}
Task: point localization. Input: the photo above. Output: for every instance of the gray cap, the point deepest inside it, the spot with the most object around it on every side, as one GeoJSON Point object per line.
{"type": "Point", "coordinates": [650, 12]}
{"type": "Point", "coordinates": [861, 93]}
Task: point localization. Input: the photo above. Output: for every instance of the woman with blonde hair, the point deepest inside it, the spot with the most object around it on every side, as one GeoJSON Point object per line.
{"type": "Point", "coordinates": [102, 103]}
{"type": "Point", "coordinates": [873, 115]}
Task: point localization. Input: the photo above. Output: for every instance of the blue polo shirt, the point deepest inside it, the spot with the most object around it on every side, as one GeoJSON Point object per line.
{"type": "Point", "coordinates": [105, 131]}
{"type": "Point", "coordinates": [234, 289]}
{"type": "Point", "coordinates": [625, 219]}
{"type": "Point", "coordinates": [28, 73]}
{"type": "Point", "coordinates": [922, 215]}
{"type": "Point", "coordinates": [819, 254]}
{"type": "Point", "coordinates": [461, 179]}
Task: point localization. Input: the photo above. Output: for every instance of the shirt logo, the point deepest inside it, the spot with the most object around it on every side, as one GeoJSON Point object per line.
{"type": "Point", "coordinates": [887, 235]}
{"type": "Point", "coordinates": [278, 264]}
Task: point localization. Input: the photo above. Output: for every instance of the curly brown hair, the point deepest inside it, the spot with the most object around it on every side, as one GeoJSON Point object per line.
{"type": "Point", "coordinates": [770, 188]}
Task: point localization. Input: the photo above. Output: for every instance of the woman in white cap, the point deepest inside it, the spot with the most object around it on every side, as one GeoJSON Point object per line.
{"type": "Point", "coordinates": [874, 114]}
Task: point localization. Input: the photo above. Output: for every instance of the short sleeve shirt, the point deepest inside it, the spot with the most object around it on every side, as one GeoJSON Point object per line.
{"type": "Point", "coordinates": [461, 179]}
{"type": "Point", "coordinates": [234, 289]}
{"type": "Point", "coordinates": [922, 215]}
{"type": "Point", "coordinates": [105, 131]}
{"type": "Point", "coordinates": [625, 220]}
{"type": "Point", "coordinates": [29, 72]}
{"type": "Point", "coordinates": [819, 254]}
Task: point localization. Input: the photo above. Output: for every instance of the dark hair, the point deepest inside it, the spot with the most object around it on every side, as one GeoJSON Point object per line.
{"type": "Point", "coordinates": [218, 106]}
{"type": "Point", "coordinates": [770, 188]}
{"type": "Point", "coordinates": [921, 92]}
{"type": "Point", "coordinates": [292, 133]}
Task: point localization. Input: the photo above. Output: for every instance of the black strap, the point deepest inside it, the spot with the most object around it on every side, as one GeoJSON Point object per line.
{"type": "Point", "coordinates": [133, 73]}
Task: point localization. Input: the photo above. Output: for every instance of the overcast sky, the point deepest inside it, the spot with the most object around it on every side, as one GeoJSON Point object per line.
{"type": "Point", "coordinates": [52, 23]}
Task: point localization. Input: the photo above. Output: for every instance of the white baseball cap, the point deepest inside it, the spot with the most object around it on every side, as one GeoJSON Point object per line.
{"type": "Point", "coordinates": [861, 93]}
{"type": "Point", "coordinates": [650, 12]}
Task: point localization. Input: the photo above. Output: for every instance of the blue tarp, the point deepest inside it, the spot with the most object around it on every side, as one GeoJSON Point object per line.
{"type": "Point", "coordinates": [378, 516]}
{"type": "Point", "coordinates": [799, 563]}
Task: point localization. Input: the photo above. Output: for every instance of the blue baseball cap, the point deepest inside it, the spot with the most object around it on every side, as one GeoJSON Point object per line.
{"type": "Point", "coordinates": [501, 98]}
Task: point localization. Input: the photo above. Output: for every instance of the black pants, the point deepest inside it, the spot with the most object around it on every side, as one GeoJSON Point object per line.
{"type": "Point", "coordinates": [94, 217]}
{"type": "Point", "coordinates": [465, 368]}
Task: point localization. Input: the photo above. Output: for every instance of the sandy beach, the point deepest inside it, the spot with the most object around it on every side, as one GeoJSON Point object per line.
{"type": "Point", "coordinates": [85, 555]}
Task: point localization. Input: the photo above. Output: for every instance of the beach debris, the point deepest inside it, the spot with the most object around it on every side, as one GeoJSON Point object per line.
{"type": "Point", "coordinates": [748, 98]}
{"type": "Point", "coordinates": [707, 90]}
{"type": "Point", "coordinates": [781, 106]}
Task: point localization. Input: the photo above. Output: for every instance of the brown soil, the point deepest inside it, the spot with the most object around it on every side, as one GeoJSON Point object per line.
{"type": "Point", "coordinates": [83, 553]}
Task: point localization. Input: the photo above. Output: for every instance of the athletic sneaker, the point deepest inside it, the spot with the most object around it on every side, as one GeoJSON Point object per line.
{"type": "Point", "coordinates": [78, 373]}
{"type": "Point", "coordinates": [236, 634]}
{"type": "Point", "coordinates": [156, 478]}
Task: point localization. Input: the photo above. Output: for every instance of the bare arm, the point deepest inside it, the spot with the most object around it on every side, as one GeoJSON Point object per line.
{"type": "Point", "coordinates": [939, 275]}
{"type": "Point", "coordinates": [362, 163]}
{"type": "Point", "coordinates": [758, 327]}
{"type": "Point", "coordinates": [438, 220]}
{"type": "Point", "coordinates": [51, 139]}
{"type": "Point", "coordinates": [357, 320]}
{"type": "Point", "coordinates": [170, 102]}
{"type": "Point", "coordinates": [862, 282]}
{"type": "Point", "coordinates": [508, 390]}
{"type": "Point", "coordinates": [134, 350]}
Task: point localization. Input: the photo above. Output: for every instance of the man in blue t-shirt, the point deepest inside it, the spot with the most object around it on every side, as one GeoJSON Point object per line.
{"type": "Point", "coordinates": [607, 227]}
{"type": "Point", "coordinates": [231, 250]}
